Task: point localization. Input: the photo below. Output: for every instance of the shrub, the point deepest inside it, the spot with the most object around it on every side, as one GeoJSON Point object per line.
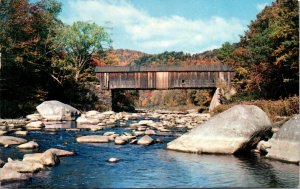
{"type": "Point", "coordinates": [274, 109]}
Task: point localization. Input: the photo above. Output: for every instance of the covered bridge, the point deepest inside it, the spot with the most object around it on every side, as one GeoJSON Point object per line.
{"type": "Point", "coordinates": [163, 76]}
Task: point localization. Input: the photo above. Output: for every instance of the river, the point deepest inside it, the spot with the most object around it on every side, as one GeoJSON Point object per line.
{"type": "Point", "coordinates": [148, 166]}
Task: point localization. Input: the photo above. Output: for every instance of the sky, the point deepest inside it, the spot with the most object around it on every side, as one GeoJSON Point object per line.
{"type": "Point", "coordinates": [156, 26]}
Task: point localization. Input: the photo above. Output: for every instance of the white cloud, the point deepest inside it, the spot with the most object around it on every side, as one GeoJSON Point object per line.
{"type": "Point", "coordinates": [261, 6]}
{"type": "Point", "coordinates": [155, 34]}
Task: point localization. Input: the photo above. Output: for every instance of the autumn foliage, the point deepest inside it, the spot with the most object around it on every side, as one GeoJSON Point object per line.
{"type": "Point", "coordinates": [266, 59]}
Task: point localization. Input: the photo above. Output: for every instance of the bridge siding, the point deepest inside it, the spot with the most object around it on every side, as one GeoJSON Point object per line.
{"type": "Point", "coordinates": [162, 80]}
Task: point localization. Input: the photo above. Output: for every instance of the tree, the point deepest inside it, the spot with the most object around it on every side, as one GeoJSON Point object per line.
{"type": "Point", "coordinates": [26, 29]}
{"type": "Point", "coordinates": [267, 55]}
{"type": "Point", "coordinates": [225, 51]}
{"type": "Point", "coordinates": [80, 42]}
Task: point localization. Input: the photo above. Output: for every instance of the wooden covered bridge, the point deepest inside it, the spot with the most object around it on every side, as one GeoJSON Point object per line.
{"type": "Point", "coordinates": [160, 77]}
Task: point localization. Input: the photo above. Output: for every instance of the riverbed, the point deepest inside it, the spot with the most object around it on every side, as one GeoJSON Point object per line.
{"type": "Point", "coordinates": [147, 166]}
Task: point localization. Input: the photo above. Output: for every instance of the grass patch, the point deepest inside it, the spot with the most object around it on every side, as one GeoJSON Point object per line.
{"type": "Point", "coordinates": [274, 108]}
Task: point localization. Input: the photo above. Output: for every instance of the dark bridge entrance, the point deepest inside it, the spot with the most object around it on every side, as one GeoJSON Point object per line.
{"type": "Point", "coordinates": [163, 76]}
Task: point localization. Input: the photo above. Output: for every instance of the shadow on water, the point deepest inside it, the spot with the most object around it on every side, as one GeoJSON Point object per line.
{"type": "Point", "coordinates": [271, 172]}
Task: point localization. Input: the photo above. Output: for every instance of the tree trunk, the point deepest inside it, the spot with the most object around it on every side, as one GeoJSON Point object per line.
{"type": "Point", "coordinates": [77, 75]}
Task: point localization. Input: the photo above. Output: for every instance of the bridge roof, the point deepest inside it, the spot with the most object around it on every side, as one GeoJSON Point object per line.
{"type": "Point", "coordinates": [165, 68]}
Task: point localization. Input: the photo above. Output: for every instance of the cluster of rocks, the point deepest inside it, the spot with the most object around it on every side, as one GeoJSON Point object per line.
{"type": "Point", "coordinates": [117, 139]}
{"type": "Point", "coordinates": [241, 129]}
{"type": "Point", "coordinates": [20, 170]}
{"type": "Point", "coordinates": [168, 119]}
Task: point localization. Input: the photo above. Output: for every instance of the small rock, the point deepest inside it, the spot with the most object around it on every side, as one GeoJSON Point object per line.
{"type": "Point", "coordinates": [10, 140]}
{"type": "Point", "coordinates": [47, 158]}
{"type": "Point", "coordinates": [120, 141]}
{"type": "Point", "coordinates": [92, 113]}
{"type": "Point", "coordinates": [145, 140]}
{"type": "Point", "coordinates": [134, 126]}
{"type": "Point", "coordinates": [109, 113]}
{"type": "Point", "coordinates": [164, 130]}
{"type": "Point", "coordinates": [60, 152]}
{"type": "Point", "coordinates": [93, 139]}
{"type": "Point", "coordinates": [72, 129]}
{"type": "Point", "coordinates": [150, 132]}
{"type": "Point", "coordinates": [141, 128]}
{"type": "Point", "coordinates": [96, 128]}
{"type": "Point", "coordinates": [82, 120]}
{"type": "Point", "coordinates": [35, 124]}
{"type": "Point", "coordinates": [3, 133]}
{"type": "Point", "coordinates": [108, 133]}
{"type": "Point", "coordinates": [133, 141]}
{"type": "Point", "coordinates": [21, 133]}
{"type": "Point", "coordinates": [29, 145]}
{"type": "Point", "coordinates": [34, 117]}
{"type": "Point", "coordinates": [158, 140]}
{"type": "Point", "coordinates": [113, 160]}
{"type": "Point", "coordinates": [145, 122]}
{"type": "Point", "coordinates": [138, 133]}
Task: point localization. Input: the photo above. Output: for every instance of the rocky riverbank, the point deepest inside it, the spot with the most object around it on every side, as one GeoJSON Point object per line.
{"type": "Point", "coordinates": [237, 130]}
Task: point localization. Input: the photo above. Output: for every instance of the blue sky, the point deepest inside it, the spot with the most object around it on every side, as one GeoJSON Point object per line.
{"type": "Point", "coordinates": [155, 26]}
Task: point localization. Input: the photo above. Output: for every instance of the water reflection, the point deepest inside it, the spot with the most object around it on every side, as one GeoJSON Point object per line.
{"type": "Point", "coordinates": [60, 124]}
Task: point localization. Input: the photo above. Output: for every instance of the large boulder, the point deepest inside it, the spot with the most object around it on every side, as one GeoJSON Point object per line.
{"type": "Point", "coordinates": [225, 133]}
{"type": "Point", "coordinates": [284, 145]}
{"type": "Point", "coordinates": [56, 111]}
{"type": "Point", "coordinates": [10, 140]}
{"type": "Point", "coordinates": [93, 139]}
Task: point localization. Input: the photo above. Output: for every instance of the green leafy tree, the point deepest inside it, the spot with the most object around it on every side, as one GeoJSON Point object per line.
{"type": "Point", "coordinates": [80, 42]}
{"type": "Point", "coordinates": [225, 51]}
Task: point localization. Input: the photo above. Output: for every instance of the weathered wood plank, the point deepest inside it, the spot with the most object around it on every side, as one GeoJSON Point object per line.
{"type": "Point", "coordinates": [179, 78]}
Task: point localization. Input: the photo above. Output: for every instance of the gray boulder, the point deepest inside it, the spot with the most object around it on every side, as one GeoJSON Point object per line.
{"type": "Point", "coordinates": [224, 133]}
{"type": "Point", "coordinates": [285, 143]}
{"type": "Point", "coordinates": [10, 140]}
{"type": "Point", "coordinates": [56, 111]}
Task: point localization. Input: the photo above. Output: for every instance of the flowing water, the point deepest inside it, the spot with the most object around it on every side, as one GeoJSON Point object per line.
{"type": "Point", "coordinates": [148, 166]}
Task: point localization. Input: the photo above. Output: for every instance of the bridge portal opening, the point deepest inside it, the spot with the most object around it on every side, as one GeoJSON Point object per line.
{"type": "Point", "coordinates": [176, 99]}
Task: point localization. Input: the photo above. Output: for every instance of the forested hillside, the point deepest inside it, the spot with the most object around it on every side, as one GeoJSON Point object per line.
{"type": "Point", "coordinates": [44, 59]}
{"type": "Point", "coordinates": [266, 59]}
